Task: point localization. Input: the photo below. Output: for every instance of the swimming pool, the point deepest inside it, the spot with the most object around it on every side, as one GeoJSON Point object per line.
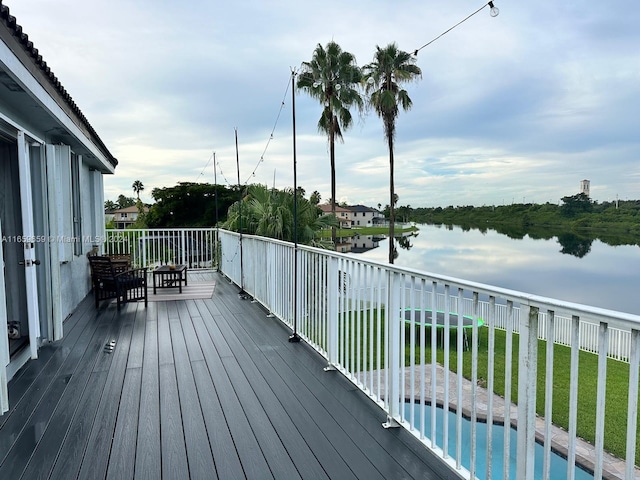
{"type": "Point", "coordinates": [558, 463]}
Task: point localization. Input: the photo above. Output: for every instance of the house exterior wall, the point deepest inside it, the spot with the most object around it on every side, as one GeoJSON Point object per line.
{"type": "Point", "coordinates": [362, 218]}
{"type": "Point", "coordinates": [57, 213]}
{"type": "Point", "coordinates": [343, 215]}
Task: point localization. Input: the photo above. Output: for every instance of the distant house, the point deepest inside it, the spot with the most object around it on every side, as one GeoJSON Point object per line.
{"type": "Point", "coordinates": [51, 201]}
{"type": "Point", "coordinates": [342, 214]}
{"type": "Point", "coordinates": [125, 217]}
{"type": "Point", "coordinates": [362, 216]}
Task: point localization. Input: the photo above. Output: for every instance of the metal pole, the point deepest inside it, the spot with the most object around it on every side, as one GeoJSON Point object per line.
{"type": "Point", "coordinates": [294, 337]}
{"type": "Point", "coordinates": [215, 195]}
{"type": "Point", "coordinates": [241, 293]}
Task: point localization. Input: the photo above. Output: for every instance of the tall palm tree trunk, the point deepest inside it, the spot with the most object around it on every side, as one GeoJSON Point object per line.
{"type": "Point", "coordinates": [392, 195]}
{"type": "Point", "coordinates": [332, 155]}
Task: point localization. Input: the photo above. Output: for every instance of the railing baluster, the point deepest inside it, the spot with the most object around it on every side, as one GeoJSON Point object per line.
{"type": "Point", "coordinates": [506, 466]}
{"type": "Point", "coordinates": [548, 395]}
{"type": "Point", "coordinates": [603, 344]}
{"type": "Point", "coordinates": [491, 345]}
{"type": "Point", "coordinates": [423, 321]}
{"type": "Point", "coordinates": [459, 368]}
{"type": "Point", "coordinates": [332, 315]}
{"type": "Point", "coordinates": [447, 351]}
{"type": "Point", "coordinates": [573, 396]}
{"type": "Point", "coordinates": [474, 382]}
{"type": "Point", "coordinates": [393, 354]}
{"type": "Point", "coordinates": [632, 404]}
{"type": "Point", "coordinates": [527, 370]}
{"type": "Point", "coordinates": [380, 341]}
{"type": "Point", "coordinates": [434, 366]}
{"type": "Point", "coordinates": [412, 350]}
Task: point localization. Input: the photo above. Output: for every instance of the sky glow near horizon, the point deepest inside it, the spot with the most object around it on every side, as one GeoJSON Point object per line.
{"type": "Point", "coordinates": [516, 108]}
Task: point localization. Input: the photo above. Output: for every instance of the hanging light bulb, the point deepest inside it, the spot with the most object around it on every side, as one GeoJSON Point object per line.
{"type": "Point", "coordinates": [494, 10]}
{"type": "Point", "coordinates": [316, 84]}
{"type": "Point", "coordinates": [338, 87]}
{"type": "Point", "coordinates": [370, 80]}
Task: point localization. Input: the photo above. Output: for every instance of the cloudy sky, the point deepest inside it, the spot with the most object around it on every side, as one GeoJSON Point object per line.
{"type": "Point", "coordinates": [516, 108]}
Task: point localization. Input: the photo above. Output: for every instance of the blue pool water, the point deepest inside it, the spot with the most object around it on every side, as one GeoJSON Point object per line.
{"type": "Point", "coordinates": [558, 463]}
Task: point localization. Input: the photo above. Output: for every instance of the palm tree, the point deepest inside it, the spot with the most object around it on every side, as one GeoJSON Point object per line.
{"type": "Point", "coordinates": [332, 77]}
{"type": "Point", "coordinates": [269, 213]}
{"type": "Point", "coordinates": [390, 68]}
{"type": "Point", "coordinates": [137, 188]}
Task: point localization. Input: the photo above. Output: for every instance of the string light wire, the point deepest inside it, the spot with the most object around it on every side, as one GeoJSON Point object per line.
{"type": "Point", "coordinates": [272, 132]}
{"type": "Point", "coordinates": [415, 52]}
{"type": "Point", "coordinates": [205, 167]}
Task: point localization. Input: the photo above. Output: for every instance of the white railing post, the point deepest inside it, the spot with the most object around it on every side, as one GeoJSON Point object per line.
{"type": "Point", "coordinates": [394, 349]}
{"type": "Point", "coordinates": [632, 404]}
{"type": "Point", "coordinates": [333, 285]}
{"type": "Point", "coordinates": [527, 375]}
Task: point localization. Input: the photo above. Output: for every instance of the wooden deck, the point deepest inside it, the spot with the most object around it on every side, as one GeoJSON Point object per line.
{"type": "Point", "coordinates": [205, 388]}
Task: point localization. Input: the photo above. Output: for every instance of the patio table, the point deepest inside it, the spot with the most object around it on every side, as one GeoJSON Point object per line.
{"type": "Point", "coordinates": [171, 276]}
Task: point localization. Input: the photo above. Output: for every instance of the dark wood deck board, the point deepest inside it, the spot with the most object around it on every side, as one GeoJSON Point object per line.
{"type": "Point", "coordinates": [174, 451]}
{"type": "Point", "coordinates": [322, 414]}
{"type": "Point", "coordinates": [368, 440]}
{"type": "Point", "coordinates": [45, 454]}
{"type": "Point", "coordinates": [123, 450]}
{"type": "Point", "coordinates": [30, 382]}
{"type": "Point", "coordinates": [96, 457]}
{"type": "Point", "coordinates": [194, 389]}
{"type": "Point", "coordinates": [26, 426]}
{"type": "Point", "coordinates": [281, 402]}
{"type": "Point", "coordinates": [190, 337]}
{"type": "Point", "coordinates": [226, 457]}
{"type": "Point", "coordinates": [148, 452]}
{"type": "Point", "coordinates": [71, 451]}
{"type": "Point", "coordinates": [249, 451]}
{"type": "Point", "coordinates": [197, 442]}
{"type": "Point", "coordinates": [280, 463]}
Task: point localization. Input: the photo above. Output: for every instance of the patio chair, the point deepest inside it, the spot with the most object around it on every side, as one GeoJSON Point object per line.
{"type": "Point", "coordinates": [121, 261]}
{"type": "Point", "coordinates": [124, 286]}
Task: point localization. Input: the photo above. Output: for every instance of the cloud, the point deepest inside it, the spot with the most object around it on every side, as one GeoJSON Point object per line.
{"type": "Point", "coordinates": [521, 106]}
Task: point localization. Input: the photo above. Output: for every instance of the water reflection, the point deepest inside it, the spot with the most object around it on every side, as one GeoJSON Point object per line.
{"type": "Point", "coordinates": [358, 243]}
{"type": "Point", "coordinates": [573, 244]}
{"type": "Point", "coordinates": [582, 270]}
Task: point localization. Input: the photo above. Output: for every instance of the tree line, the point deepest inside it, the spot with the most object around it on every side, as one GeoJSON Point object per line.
{"type": "Point", "coordinates": [577, 219]}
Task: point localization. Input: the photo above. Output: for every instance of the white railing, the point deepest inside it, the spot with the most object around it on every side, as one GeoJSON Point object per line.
{"type": "Point", "coordinates": [342, 304]}
{"type": "Point", "coordinates": [150, 247]}
{"type": "Point", "coordinates": [195, 247]}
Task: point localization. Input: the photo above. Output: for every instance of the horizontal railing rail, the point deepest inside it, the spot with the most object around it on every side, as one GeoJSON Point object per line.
{"type": "Point", "coordinates": [151, 247]}
{"type": "Point", "coordinates": [372, 322]}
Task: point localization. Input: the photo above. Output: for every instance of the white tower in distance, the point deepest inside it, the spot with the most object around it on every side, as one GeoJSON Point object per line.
{"type": "Point", "coordinates": [585, 186]}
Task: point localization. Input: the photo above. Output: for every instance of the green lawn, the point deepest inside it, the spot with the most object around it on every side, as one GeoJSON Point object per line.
{"type": "Point", "coordinates": [616, 397]}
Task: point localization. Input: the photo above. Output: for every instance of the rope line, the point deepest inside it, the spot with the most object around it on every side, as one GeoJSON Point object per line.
{"type": "Point", "coordinates": [253, 174]}
{"type": "Point", "coordinates": [415, 52]}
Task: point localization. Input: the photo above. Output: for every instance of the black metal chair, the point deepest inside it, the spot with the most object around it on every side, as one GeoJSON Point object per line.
{"type": "Point", "coordinates": [124, 286]}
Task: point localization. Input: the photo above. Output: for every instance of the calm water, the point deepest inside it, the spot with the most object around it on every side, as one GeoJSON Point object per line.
{"type": "Point", "coordinates": [606, 277]}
